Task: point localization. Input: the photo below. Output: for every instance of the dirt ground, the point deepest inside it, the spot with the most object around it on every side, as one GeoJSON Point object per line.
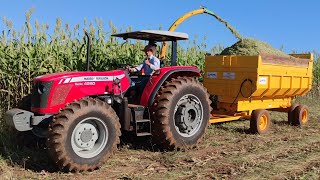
{"type": "Point", "coordinates": [229, 151]}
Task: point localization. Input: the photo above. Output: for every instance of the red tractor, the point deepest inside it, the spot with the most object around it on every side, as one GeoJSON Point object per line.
{"type": "Point", "coordinates": [82, 114]}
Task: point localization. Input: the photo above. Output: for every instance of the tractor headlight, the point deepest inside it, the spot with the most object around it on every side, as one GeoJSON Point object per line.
{"type": "Point", "coordinates": [42, 89]}
{"type": "Point", "coordinates": [40, 93]}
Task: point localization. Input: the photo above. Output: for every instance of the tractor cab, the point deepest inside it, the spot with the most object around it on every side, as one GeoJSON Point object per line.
{"type": "Point", "coordinates": [140, 80]}
{"type": "Point", "coordinates": [153, 36]}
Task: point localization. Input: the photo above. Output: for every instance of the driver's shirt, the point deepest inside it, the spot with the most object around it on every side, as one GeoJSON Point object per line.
{"type": "Point", "coordinates": [154, 65]}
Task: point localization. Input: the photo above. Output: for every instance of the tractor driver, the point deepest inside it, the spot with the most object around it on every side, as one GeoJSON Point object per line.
{"type": "Point", "coordinates": [150, 64]}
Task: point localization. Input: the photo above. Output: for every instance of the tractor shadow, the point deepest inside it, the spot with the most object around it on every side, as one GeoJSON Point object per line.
{"type": "Point", "coordinates": [130, 141]}
{"type": "Point", "coordinates": [28, 152]}
{"type": "Point", "coordinates": [280, 123]}
{"type": "Point", "coordinates": [25, 151]}
{"type": "Point", "coordinates": [245, 129]}
{"type": "Point", "coordinates": [241, 130]}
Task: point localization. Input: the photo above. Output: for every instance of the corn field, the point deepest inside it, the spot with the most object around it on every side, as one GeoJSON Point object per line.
{"type": "Point", "coordinates": [31, 51]}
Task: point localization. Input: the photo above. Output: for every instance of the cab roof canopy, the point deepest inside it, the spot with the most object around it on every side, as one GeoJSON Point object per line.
{"type": "Point", "coordinates": [154, 35]}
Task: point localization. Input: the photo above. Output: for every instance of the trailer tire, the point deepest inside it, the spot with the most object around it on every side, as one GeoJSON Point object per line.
{"type": "Point", "coordinates": [260, 121]}
{"type": "Point", "coordinates": [291, 114]}
{"type": "Point", "coordinates": [181, 113]}
{"type": "Point", "coordinates": [83, 135]}
{"type": "Point", "coordinates": [301, 115]}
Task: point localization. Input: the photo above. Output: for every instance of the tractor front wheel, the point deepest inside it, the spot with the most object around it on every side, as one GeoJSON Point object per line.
{"type": "Point", "coordinates": [182, 111]}
{"type": "Point", "coordinates": [83, 135]}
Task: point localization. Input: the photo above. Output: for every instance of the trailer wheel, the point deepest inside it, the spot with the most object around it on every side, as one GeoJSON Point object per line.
{"type": "Point", "coordinates": [260, 121]}
{"type": "Point", "coordinates": [301, 115]}
{"type": "Point", "coordinates": [182, 112]}
{"type": "Point", "coordinates": [83, 135]}
{"type": "Point", "coordinates": [291, 113]}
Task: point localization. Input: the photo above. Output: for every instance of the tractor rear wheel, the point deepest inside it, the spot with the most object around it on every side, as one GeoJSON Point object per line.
{"type": "Point", "coordinates": [181, 114]}
{"type": "Point", "coordinates": [83, 135]}
{"type": "Point", "coordinates": [260, 121]}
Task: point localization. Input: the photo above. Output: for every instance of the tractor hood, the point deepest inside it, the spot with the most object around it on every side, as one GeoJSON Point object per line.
{"type": "Point", "coordinates": [52, 92]}
{"type": "Point", "coordinates": [82, 76]}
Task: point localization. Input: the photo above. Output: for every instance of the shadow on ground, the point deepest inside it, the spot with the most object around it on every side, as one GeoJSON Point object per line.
{"type": "Point", "coordinates": [29, 152]}
{"type": "Point", "coordinates": [26, 151]}
{"type": "Point", "coordinates": [146, 143]}
{"type": "Point", "coordinates": [280, 123]}
{"type": "Point", "coordinates": [241, 130]}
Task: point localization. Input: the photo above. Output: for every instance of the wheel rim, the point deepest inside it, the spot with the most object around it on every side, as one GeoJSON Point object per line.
{"type": "Point", "coordinates": [89, 137]}
{"type": "Point", "coordinates": [263, 122]}
{"type": "Point", "coordinates": [188, 115]}
{"type": "Point", "coordinates": [304, 117]}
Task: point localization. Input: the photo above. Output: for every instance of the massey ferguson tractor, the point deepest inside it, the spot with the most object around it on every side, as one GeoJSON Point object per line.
{"type": "Point", "coordinates": [82, 114]}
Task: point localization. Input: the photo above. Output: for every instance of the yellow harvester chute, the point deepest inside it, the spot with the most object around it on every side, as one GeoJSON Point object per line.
{"type": "Point", "coordinates": [192, 13]}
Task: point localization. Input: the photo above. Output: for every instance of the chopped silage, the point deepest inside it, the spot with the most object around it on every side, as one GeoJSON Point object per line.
{"type": "Point", "coordinates": [252, 47]}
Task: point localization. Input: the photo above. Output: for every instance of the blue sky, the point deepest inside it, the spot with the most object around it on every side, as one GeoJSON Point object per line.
{"type": "Point", "coordinates": [292, 24]}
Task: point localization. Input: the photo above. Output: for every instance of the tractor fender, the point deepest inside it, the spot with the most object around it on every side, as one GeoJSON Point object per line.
{"type": "Point", "coordinates": [166, 74]}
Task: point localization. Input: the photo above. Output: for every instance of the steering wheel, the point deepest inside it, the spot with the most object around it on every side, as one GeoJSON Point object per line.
{"type": "Point", "coordinates": [126, 67]}
{"type": "Point", "coordinates": [116, 65]}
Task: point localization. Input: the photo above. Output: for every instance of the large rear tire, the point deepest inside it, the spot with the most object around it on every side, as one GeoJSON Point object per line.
{"type": "Point", "coordinates": [181, 114]}
{"type": "Point", "coordinates": [83, 135]}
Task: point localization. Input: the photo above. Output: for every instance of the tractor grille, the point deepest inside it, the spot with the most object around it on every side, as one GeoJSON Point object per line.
{"type": "Point", "coordinates": [40, 94]}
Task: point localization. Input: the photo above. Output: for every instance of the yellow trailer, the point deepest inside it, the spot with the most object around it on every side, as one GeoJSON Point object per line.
{"type": "Point", "coordinates": [247, 86]}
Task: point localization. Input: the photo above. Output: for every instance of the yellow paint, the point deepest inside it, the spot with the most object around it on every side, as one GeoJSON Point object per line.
{"type": "Point", "coordinates": [247, 105]}
{"type": "Point", "coordinates": [305, 115]}
{"type": "Point", "coordinates": [270, 85]}
{"type": "Point", "coordinates": [224, 119]}
{"type": "Point", "coordinates": [176, 24]}
{"type": "Point", "coordinates": [263, 121]}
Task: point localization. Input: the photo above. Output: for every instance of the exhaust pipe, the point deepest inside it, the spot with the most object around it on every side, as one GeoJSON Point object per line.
{"type": "Point", "coordinates": [88, 50]}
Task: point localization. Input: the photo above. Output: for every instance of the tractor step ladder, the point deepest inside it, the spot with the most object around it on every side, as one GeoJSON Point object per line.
{"type": "Point", "coordinates": [142, 120]}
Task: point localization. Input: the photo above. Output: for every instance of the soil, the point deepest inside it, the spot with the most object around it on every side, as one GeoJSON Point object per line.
{"type": "Point", "coordinates": [228, 151]}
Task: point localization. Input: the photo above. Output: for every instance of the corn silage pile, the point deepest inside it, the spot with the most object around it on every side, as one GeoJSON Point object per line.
{"type": "Point", "coordinates": [252, 47]}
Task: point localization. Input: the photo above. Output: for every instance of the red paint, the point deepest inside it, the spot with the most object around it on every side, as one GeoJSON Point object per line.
{"type": "Point", "coordinates": [150, 87]}
{"type": "Point", "coordinates": [79, 89]}
{"type": "Point", "coordinates": [64, 91]}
